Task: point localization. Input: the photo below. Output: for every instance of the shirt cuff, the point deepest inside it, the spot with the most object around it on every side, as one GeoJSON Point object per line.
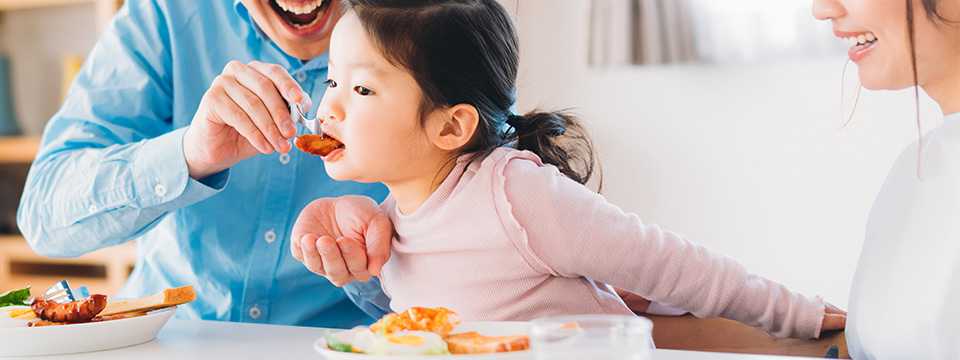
{"type": "Point", "coordinates": [163, 180]}
{"type": "Point", "coordinates": [369, 297]}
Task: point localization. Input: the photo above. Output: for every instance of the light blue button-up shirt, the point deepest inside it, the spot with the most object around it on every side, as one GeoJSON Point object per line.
{"type": "Point", "coordinates": [111, 169]}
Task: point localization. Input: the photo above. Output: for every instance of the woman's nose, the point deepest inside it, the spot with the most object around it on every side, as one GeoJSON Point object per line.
{"type": "Point", "coordinates": [827, 9]}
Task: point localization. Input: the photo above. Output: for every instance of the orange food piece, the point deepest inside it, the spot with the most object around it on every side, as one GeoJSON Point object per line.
{"type": "Point", "coordinates": [316, 144]}
{"type": "Point", "coordinates": [437, 320]}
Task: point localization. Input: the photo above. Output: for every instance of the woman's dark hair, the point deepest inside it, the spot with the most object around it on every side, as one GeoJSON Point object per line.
{"type": "Point", "coordinates": [930, 8]}
{"type": "Point", "coordinates": [466, 52]}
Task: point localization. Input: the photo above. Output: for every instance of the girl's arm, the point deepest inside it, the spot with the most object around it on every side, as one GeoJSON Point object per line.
{"type": "Point", "coordinates": [573, 232]}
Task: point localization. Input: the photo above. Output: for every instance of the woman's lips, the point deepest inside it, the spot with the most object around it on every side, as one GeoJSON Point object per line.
{"type": "Point", "coordinates": [860, 43]}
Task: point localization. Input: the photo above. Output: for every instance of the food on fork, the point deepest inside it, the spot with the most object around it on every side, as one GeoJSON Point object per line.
{"type": "Point", "coordinates": [316, 144]}
{"type": "Point", "coordinates": [95, 308]}
{"type": "Point", "coordinates": [82, 310]}
{"type": "Point", "coordinates": [420, 331]}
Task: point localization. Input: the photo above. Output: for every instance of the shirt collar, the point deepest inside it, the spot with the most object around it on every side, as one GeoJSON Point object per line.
{"type": "Point", "coordinates": [245, 15]}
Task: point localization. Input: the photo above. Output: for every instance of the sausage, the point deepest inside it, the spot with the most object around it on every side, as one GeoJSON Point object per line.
{"type": "Point", "coordinates": [77, 311]}
{"type": "Point", "coordinates": [316, 144]}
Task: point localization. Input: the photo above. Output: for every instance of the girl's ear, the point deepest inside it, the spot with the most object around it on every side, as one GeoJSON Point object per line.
{"type": "Point", "coordinates": [454, 127]}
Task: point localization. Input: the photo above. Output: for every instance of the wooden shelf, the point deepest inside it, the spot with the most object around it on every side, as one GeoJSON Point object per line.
{"type": "Point", "coordinates": [18, 149]}
{"type": "Point", "coordinates": [30, 4]}
{"type": "Point", "coordinates": [117, 261]}
{"type": "Point", "coordinates": [104, 8]}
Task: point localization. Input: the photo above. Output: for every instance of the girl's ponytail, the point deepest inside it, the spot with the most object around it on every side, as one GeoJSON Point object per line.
{"type": "Point", "coordinates": [558, 138]}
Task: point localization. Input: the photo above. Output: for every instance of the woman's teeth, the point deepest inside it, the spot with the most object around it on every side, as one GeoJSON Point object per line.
{"type": "Point", "coordinates": [300, 9]}
{"type": "Point", "coordinates": [861, 41]}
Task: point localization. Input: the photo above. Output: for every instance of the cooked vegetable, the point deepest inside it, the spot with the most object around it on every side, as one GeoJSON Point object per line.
{"type": "Point", "coordinates": [14, 297]}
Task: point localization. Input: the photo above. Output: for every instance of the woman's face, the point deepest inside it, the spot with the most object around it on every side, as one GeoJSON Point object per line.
{"type": "Point", "coordinates": [876, 31]}
{"type": "Point", "coordinates": [301, 28]}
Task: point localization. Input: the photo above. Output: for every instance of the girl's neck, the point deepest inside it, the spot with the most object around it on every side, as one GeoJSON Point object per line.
{"type": "Point", "coordinates": [412, 193]}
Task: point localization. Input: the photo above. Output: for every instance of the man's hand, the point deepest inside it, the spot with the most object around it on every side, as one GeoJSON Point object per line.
{"type": "Point", "coordinates": [242, 114]}
{"type": "Point", "coordinates": [343, 239]}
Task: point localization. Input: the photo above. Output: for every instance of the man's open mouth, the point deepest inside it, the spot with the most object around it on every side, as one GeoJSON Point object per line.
{"type": "Point", "coordinates": [301, 14]}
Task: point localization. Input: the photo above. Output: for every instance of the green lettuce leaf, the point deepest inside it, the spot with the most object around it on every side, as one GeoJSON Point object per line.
{"type": "Point", "coordinates": [14, 297]}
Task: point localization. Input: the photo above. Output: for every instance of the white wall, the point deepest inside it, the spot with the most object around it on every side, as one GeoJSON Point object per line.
{"type": "Point", "coordinates": [745, 158]}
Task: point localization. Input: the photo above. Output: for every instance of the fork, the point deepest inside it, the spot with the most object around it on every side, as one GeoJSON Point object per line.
{"type": "Point", "coordinates": [59, 292]}
{"type": "Point", "coordinates": [314, 125]}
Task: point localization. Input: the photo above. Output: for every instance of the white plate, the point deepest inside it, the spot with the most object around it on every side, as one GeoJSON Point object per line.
{"type": "Point", "coordinates": [74, 338]}
{"type": "Point", "coordinates": [488, 328]}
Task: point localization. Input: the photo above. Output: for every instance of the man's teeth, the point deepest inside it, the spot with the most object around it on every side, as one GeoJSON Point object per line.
{"type": "Point", "coordinates": [860, 41]}
{"type": "Point", "coordinates": [300, 9]}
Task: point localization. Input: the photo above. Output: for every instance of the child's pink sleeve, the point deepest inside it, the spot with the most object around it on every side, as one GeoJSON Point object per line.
{"type": "Point", "coordinates": [575, 232]}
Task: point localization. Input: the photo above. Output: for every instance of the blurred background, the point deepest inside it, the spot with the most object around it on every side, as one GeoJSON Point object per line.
{"type": "Point", "coordinates": [721, 121]}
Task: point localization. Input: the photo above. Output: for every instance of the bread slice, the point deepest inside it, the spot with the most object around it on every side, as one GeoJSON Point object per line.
{"type": "Point", "coordinates": [165, 298]}
{"type": "Point", "coordinates": [475, 343]}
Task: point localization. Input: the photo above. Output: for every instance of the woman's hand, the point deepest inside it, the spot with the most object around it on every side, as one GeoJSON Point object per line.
{"type": "Point", "coordinates": [241, 115]}
{"type": "Point", "coordinates": [343, 239]}
{"type": "Point", "coordinates": [833, 318]}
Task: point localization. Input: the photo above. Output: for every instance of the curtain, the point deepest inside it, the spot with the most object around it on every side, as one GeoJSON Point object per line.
{"type": "Point", "coordinates": [640, 32]}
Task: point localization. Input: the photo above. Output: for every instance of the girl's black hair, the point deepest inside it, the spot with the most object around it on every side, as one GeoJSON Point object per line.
{"type": "Point", "coordinates": [466, 52]}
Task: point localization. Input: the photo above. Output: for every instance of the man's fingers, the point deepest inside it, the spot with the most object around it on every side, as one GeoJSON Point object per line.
{"type": "Point", "coordinates": [355, 257]}
{"type": "Point", "coordinates": [285, 88]}
{"type": "Point", "coordinates": [311, 257]}
{"type": "Point", "coordinates": [257, 96]}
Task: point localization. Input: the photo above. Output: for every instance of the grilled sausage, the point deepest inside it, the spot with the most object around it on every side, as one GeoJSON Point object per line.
{"type": "Point", "coordinates": [77, 311]}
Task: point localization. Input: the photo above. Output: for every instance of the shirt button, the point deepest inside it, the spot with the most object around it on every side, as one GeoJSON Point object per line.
{"type": "Point", "coordinates": [254, 312]}
{"type": "Point", "coordinates": [301, 76]}
{"type": "Point", "coordinates": [93, 209]}
{"type": "Point", "coordinates": [270, 236]}
{"type": "Point", "coordinates": [284, 158]}
{"type": "Point", "coordinates": [160, 190]}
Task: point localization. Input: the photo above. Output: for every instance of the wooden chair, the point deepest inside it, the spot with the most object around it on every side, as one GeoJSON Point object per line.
{"type": "Point", "coordinates": [688, 332]}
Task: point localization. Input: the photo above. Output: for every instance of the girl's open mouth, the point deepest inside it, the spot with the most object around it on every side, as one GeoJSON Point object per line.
{"type": "Point", "coordinates": [302, 16]}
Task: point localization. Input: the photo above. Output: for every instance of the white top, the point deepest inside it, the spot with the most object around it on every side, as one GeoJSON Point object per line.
{"type": "Point", "coordinates": [905, 298]}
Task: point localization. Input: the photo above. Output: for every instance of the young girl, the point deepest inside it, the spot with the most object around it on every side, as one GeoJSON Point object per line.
{"type": "Point", "coordinates": [491, 215]}
{"type": "Point", "coordinates": [912, 245]}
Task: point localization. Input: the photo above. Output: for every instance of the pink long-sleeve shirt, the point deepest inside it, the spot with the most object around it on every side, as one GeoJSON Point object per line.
{"type": "Point", "coordinates": [507, 238]}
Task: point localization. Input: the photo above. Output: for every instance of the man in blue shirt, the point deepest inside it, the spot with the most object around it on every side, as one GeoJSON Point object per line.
{"type": "Point", "coordinates": [175, 133]}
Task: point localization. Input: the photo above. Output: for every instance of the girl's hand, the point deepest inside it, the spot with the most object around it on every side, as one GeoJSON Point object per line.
{"type": "Point", "coordinates": [833, 318]}
{"type": "Point", "coordinates": [343, 239]}
{"type": "Point", "coordinates": [242, 114]}
{"type": "Point", "coordinates": [634, 302]}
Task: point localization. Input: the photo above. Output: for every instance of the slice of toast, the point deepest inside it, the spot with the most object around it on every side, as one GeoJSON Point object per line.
{"type": "Point", "coordinates": [165, 298]}
{"type": "Point", "coordinates": [475, 343]}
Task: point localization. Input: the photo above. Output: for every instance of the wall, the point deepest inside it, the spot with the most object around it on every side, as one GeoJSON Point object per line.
{"type": "Point", "coordinates": [749, 159]}
{"type": "Point", "coordinates": [36, 40]}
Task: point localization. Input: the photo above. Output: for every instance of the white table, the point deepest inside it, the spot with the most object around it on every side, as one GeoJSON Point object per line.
{"type": "Point", "coordinates": [204, 340]}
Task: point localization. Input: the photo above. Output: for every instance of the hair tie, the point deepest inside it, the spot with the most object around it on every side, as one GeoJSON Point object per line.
{"type": "Point", "coordinates": [512, 119]}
